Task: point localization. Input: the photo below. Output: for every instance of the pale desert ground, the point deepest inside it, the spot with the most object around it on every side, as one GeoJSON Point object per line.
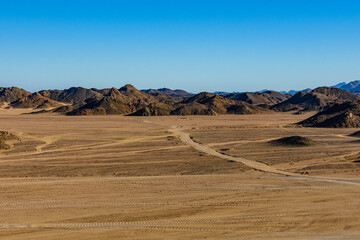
{"type": "Point", "coordinates": [195, 177]}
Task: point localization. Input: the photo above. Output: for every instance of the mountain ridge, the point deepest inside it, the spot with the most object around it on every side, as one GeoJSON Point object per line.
{"type": "Point", "coordinates": [128, 100]}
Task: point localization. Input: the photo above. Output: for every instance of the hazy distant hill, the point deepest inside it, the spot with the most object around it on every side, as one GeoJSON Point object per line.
{"type": "Point", "coordinates": [164, 98]}
{"type": "Point", "coordinates": [316, 100]}
{"type": "Point", "coordinates": [293, 92]}
{"type": "Point", "coordinates": [167, 91]}
{"type": "Point", "coordinates": [223, 94]}
{"type": "Point", "coordinates": [74, 95]}
{"type": "Point", "coordinates": [35, 100]}
{"type": "Point", "coordinates": [353, 86]}
{"type": "Point", "coordinates": [268, 98]}
{"type": "Point", "coordinates": [339, 85]}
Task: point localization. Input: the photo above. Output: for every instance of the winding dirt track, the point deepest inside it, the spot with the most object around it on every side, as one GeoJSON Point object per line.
{"type": "Point", "coordinates": [186, 138]}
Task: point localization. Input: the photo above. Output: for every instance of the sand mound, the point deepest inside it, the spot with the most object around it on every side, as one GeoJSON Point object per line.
{"type": "Point", "coordinates": [355, 134]}
{"type": "Point", "coordinates": [6, 136]}
{"type": "Point", "coordinates": [61, 110]}
{"type": "Point", "coordinates": [293, 141]}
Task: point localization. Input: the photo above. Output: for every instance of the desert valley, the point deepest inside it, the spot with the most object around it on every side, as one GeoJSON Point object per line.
{"type": "Point", "coordinates": [167, 164]}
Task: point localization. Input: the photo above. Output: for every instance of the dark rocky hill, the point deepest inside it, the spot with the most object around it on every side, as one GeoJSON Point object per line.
{"type": "Point", "coordinates": [316, 100]}
{"type": "Point", "coordinates": [126, 100]}
{"type": "Point", "coordinates": [130, 101]}
{"type": "Point", "coordinates": [12, 94]}
{"type": "Point", "coordinates": [220, 105]}
{"type": "Point", "coordinates": [345, 115]}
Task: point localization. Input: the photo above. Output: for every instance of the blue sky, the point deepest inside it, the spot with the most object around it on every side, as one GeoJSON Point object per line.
{"type": "Point", "coordinates": [198, 45]}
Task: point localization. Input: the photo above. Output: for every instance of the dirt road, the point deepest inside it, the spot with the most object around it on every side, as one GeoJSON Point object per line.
{"type": "Point", "coordinates": [186, 138]}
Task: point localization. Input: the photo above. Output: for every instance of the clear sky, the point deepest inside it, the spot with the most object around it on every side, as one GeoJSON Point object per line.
{"type": "Point", "coordinates": [196, 45]}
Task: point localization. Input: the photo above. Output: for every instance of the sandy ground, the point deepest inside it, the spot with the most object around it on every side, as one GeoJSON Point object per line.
{"type": "Point", "coordinates": [197, 177]}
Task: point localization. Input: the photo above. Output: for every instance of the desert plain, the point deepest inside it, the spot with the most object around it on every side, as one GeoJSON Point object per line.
{"type": "Point", "coordinates": [176, 177]}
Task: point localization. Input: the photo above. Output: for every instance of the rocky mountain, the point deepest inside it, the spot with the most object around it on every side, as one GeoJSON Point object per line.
{"type": "Point", "coordinates": [267, 98]}
{"type": "Point", "coordinates": [200, 104]}
{"type": "Point", "coordinates": [125, 100]}
{"type": "Point", "coordinates": [35, 100]}
{"type": "Point", "coordinates": [129, 100]}
{"type": "Point", "coordinates": [211, 101]}
{"type": "Point", "coordinates": [136, 96]}
{"type": "Point", "coordinates": [220, 105]}
{"type": "Point", "coordinates": [173, 93]}
{"type": "Point", "coordinates": [345, 115]}
{"type": "Point", "coordinates": [12, 94]}
{"type": "Point", "coordinates": [315, 100]}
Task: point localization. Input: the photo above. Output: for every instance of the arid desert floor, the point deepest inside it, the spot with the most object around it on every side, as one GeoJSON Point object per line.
{"type": "Point", "coordinates": [179, 177]}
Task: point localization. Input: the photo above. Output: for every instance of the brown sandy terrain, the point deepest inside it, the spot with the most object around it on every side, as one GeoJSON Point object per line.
{"type": "Point", "coordinates": [115, 177]}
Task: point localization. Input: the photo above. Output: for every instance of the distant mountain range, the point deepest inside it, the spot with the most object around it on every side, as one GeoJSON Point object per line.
{"type": "Point", "coordinates": [293, 92]}
{"type": "Point", "coordinates": [128, 100]}
{"type": "Point", "coordinates": [353, 86]}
